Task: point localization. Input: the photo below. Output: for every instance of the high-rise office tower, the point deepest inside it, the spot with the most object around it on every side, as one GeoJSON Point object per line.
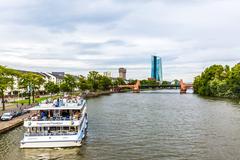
{"type": "Point", "coordinates": [156, 70]}
{"type": "Point", "coordinates": [122, 73]}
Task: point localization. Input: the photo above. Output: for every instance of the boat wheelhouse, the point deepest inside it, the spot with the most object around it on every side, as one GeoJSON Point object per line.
{"type": "Point", "coordinates": [61, 123]}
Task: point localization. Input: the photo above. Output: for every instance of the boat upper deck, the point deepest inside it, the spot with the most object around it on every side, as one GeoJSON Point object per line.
{"type": "Point", "coordinates": [60, 104]}
{"type": "Point", "coordinates": [60, 112]}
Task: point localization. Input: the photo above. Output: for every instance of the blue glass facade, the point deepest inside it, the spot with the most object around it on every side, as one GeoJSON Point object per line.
{"type": "Point", "coordinates": [156, 70]}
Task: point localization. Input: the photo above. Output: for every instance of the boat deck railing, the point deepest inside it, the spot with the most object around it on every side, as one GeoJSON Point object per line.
{"type": "Point", "coordinates": [60, 118]}
{"type": "Point", "coordinates": [51, 134]}
{"type": "Point", "coordinates": [63, 102]}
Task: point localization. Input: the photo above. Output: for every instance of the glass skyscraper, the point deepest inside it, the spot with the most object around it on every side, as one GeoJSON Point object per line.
{"type": "Point", "coordinates": [156, 71]}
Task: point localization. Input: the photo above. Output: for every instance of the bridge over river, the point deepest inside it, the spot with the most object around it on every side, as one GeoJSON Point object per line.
{"type": "Point", "coordinates": [137, 87]}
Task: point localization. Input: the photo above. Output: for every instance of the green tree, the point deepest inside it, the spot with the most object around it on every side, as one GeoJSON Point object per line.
{"type": "Point", "coordinates": [105, 83]}
{"type": "Point", "coordinates": [218, 80]}
{"type": "Point", "coordinates": [51, 88]}
{"type": "Point", "coordinates": [83, 84]}
{"type": "Point", "coordinates": [93, 79]}
{"type": "Point", "coordinates": [31, 82]}
{"type": "Point", "coordinates": [176, 82]}
{"type": "Point", "coordinates": [165, 83]}
{"type": "Point", "coordinates": [64, 87]}
{"type": "Point", "coordinates": [149, 82]}
{"type": "Point", "coordinates": [132, 81]}
{"type": "Point", "coordinates": [234, 80]}
{"type": "Point", "coordinates": [197, 84]}
{"type": "Point", "coordinates": [118, 81]}
{"type": "Point", "coordinates": [6, 81]}
{"type": "Point", "coordinates": [69, 83]}
{"type": "Point", "coordinates": [210, 73]}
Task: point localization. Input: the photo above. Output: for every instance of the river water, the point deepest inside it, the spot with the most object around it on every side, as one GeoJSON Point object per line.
{"type": "Point", "coordinates": [150, 125]}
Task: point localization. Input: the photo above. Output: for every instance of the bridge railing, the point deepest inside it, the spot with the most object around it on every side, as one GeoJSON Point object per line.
{"type": "Point", "coordinates": [159, 86]}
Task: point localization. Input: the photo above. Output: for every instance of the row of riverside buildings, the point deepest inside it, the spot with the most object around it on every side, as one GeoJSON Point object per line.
{"type": "Point", "coordinates": [55, 77]}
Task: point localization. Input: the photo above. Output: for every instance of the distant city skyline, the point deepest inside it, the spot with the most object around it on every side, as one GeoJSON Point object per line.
{"type": "Point", "coordinates": [79, 36]}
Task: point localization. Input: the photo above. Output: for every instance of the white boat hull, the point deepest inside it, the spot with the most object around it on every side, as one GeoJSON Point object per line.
{"type": "Point", "coordinates": [50, 144]}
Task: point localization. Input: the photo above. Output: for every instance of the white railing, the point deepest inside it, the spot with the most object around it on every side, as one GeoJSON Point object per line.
{"type": "Point", "coordinates": [60, 118]}
{"type": "Point", "coordinates": [51, 134]}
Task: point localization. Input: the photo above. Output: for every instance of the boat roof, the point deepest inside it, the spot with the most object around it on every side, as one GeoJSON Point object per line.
{"type": "Point", "coordinates": [51, 106]}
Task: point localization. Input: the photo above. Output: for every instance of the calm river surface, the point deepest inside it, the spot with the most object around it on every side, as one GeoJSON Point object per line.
{"type": "Point", "coordinates": [150, 125]}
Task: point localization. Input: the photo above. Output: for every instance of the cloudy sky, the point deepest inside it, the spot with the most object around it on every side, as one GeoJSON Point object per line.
{"type": "Point", "coordinates": [77, 36]}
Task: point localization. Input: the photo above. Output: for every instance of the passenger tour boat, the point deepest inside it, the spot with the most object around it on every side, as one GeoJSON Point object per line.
{"type": "Point", "coordinates": [61, 123]}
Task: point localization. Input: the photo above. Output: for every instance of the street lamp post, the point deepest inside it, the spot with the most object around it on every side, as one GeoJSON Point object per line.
{"type": "Point", "coordinates": [29, 93]}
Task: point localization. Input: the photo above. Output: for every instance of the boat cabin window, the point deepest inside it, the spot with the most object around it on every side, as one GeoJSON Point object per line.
{"type": "Point", "coordinates": [52, 130]}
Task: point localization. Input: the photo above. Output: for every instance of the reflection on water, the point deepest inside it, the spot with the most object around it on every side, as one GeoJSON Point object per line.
{"type": "Point", "coordinates": [165, 91]}
{"type": "Point", "coordinates": [150, 125]}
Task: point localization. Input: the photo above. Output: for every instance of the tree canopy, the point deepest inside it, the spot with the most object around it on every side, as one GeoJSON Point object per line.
{"type": "Point", "coordinates": [219, 81]}
{"type": "Point", "coordinates": [149, 82]}
{"type": "Point", "coordinates": [51, 87]}
{"type": "Point", "coordinates": [6, 81]}
{"type": "Point", "coordinates": [31, 82]}
{"type": "Point", "coordinates": [69, 83]}
{"type": "Point", "coordinates": [118, 81]}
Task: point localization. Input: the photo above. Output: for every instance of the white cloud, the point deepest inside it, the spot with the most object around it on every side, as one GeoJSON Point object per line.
{"type": "Point", "coordinates": [78, 35]}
